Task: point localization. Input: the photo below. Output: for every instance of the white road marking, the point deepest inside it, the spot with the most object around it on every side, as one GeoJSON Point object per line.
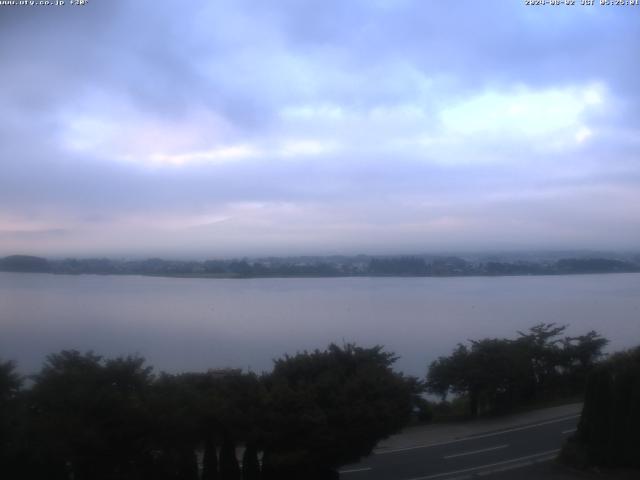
{"type": "Point", "coordinates": [474, 437]}
{"type": "Point", "coordinates": [355, 470]}
{"type": "Point", "coordinates": [489, 465]}
{"type": "Point", "coordinates": [456, 455]}
{"type": "Point", "coordinates": [571, 430]}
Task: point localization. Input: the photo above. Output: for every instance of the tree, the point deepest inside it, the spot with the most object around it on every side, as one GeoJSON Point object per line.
{"type": "Point", "coordinates": [595, 421]}
{"type": "Point", "coordinates": [607, 433]}
{"type": "Point", "coordinates": [10, 383]}
{"type": "Point", "coordinates": [496, 374]}
{"type": "Point", "coordinates": [447, 374]}
{"type": "Point", "coordinates": [88, 416]}
{"type": "Point", "coordinates": [174, 403]}
{"type": "Point", "coordinates": [580, 355]}
{"type": "Point", "coordinates": [489, 373]}
{"type": "Point", "coordinates": [210, 461]}
{"type": "Point", "coordinates": [229, 468]}
{"type": "Point", "coordinates": [328, 408]}
{"type": "Point", "coordinates": [543, 349]}
{"type": "Point", "coordinates": [250, 464]}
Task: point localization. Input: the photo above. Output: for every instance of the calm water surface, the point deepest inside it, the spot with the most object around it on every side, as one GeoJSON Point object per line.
{"type": "Point", "coordinates": [194, 324]}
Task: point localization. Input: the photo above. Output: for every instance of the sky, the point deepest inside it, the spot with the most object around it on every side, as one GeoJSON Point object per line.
{"type": "Point", "coordinates": [208, 129]}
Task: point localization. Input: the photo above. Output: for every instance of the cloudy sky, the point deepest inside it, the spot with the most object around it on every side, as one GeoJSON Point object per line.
{"type": "Point", "coordinates": [220, 128]}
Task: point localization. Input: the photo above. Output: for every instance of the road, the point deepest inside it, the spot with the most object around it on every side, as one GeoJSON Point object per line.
{"type": "Point", "coordinates": [479, 454]}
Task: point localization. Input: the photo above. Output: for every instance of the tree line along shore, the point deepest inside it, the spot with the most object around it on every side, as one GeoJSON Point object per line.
{"type": "Point", "coordinates": [336, 266]}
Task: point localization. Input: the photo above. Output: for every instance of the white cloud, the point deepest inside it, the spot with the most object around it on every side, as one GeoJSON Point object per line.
{"type": "Point", "coordinates": [523, 112]}
{"type": "Point", "coordinates": [306, 147]}
{"type": "Point", "coordinates": [213, 155]}
{"type": "Point", "coordinates": [583, 134]}
{"type": "Point", "coordinates": [110, 127]}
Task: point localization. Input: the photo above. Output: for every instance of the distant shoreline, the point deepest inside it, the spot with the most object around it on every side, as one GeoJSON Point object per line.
{"type": "Point", "coordinates": [254, 277]}
{"type": "Point", "coordinates": [325, 267]}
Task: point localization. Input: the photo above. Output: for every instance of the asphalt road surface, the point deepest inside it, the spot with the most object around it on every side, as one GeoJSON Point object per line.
{"type": "Point", "coordinates": [471, 456]}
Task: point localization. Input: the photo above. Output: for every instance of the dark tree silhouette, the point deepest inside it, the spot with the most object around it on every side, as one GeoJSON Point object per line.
{"type": "Point", "coordinates": [210, 461]}
{"type": "Point", "coordinates": [607, 434]}
{"type": "Point", "coordinates": [229, 468]}
{"type": "Point", "coordinates": [10, 381]}
{"type": "Point", "coordinates": [111, 419]}
{"type": "Point", "coordinates": [89, 415]}
{"type": "Point", "coordinates": [250, 464]}
{"type": "Point", "coordinates": [10, 443]}
{"type": "Point", "coordinates": [490, 373]}
{"type": "Point", "coordinates": [328, 408]}
{"type": "Point", "coordinates": [497, 374]}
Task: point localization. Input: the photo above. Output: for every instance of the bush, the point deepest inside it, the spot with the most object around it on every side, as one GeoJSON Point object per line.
{"type": "Point", "coordinates": [607, 434]}
{"type": "Point", "coordinates": [98, 419]}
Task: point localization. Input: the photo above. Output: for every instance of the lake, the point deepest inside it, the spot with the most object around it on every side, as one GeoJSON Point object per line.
{"type": "Point", "coordinates": [193, 324]}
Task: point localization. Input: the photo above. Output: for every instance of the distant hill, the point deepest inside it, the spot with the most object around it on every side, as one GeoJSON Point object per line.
{"type": "Point", "coordinates": [24, 263]}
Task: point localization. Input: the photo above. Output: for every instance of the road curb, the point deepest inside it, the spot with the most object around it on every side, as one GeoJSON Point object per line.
{"type": "Point", "coordinates": [488, 431]}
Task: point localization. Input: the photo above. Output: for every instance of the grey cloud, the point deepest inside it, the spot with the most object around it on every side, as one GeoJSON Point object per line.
{"type": "Point", "coordinates": [249, 61]}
